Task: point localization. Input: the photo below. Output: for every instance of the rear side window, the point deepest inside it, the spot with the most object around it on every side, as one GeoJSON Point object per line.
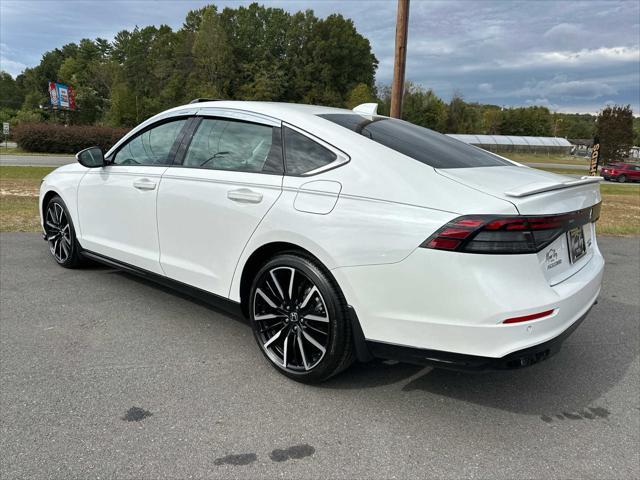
{"type": "Point", "coordinates": [303, 155]}
{"type": "Point", "coordinates": [421, 144]}
{"type": "Point", "coordinates": [234, 145]}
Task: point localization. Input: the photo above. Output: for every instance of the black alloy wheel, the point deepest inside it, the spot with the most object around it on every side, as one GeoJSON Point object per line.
{"type": "Point", "coordinates": [299, 319]}
{"type": "Point", "coordinates": [59, 233]}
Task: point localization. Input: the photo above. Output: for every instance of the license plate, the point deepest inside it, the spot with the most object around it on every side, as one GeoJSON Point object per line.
{"type": "Point", "coordinates": [577, 246]}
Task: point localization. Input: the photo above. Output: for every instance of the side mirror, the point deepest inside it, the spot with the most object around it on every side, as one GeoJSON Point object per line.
{"type": "Point", "coordinates": [91, 157]}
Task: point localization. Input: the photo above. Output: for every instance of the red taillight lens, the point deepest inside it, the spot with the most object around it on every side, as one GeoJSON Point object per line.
{"type": "Point", "coordinates": [527, 318]}
{"type": "Point", "coordinates": [509, 234]}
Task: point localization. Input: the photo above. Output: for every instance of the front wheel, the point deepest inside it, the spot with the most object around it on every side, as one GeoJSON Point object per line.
{"type": "Point", "coordinates": [299, 318]}
{"type": "Point", "coordinates": [622, 178]}
{"type": "Point", "coordinates": [60, 234]}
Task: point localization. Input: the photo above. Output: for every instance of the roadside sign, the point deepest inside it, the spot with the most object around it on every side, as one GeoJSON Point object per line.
{"type": "Point", "coordinates": [62, 96]}
{"type": "Point", "coordinates": [5, 128]}
{"type": "Point", "coordinates": [595, 156]}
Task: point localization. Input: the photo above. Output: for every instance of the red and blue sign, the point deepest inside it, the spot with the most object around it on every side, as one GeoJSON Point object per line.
{"type": "Point", "coordinates": [62, 96]}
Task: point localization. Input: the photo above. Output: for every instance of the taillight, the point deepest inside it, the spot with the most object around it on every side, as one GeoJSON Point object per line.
{"type": "Point", "coordinates": [507, 234]}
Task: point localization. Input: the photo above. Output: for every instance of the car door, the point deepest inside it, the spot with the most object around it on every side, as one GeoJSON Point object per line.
{"type": "Point", "coordinates": [117, 203]}
{"type": "Point", "coordinates": [230, 174]}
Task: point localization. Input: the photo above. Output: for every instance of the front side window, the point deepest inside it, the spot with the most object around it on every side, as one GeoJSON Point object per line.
{"type": "Point", "coordinates": [152, 147]}
{"type": "Point", "coordinates": [421, 144]}
{"type": "Point", "coordinates": [303, 155]}
{"type": "Point", "coordinates": [221, 144]}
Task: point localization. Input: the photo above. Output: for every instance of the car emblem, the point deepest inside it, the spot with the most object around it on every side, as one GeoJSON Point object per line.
{"type": "Point", "coordinates": [293, 317]}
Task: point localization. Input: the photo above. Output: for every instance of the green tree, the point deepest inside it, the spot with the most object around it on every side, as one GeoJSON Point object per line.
{"type": "Point", "coordinates": [212, 57]}
{"type": "Point", "coordinates": [11, 95]}
{"type": "Point", "coordinates": [615, 132]}
{"type": "Point", "coordinates": [424, 107]}
{"type": "Point", "coordinates": [462, 117]}
{"type": "Point", "coordinates": [361, 93]}
{"type": "Point", "coordinates": [336, 58]}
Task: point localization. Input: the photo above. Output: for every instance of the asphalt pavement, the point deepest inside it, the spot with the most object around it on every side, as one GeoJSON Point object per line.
{"type": "Point", "coordinates": [36, 160]}
{"type": "Point", "coordinates": [105, 375]}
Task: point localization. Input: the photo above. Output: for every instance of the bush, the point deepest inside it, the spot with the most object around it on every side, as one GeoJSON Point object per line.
{"type": "Point", "coordinates": [48, 138]}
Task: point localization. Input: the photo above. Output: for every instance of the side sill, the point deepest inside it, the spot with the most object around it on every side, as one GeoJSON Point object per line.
{"type": "Point", "coordinates": [221, 303]}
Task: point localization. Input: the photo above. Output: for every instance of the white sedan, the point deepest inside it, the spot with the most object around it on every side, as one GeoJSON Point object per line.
{"type": "Point", "coordinates": [340, 234]}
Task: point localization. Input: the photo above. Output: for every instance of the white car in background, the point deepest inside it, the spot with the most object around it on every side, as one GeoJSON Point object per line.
{"type": "Point", "coordinates": [340, 234]}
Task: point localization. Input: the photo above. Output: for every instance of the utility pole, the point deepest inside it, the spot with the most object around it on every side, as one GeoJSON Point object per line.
{"type": "Point", "coordinates": [402, 30]}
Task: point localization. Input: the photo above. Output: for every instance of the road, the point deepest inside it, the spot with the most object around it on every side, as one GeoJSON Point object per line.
{"type": "Point", "coordinates": [105, 375]}
{"type": "Point", "coordinates": [36, 160]}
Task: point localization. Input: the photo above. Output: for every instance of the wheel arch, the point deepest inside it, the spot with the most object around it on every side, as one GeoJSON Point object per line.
{"type": "Point", "coordinates": [259, 257]}
{"type": "Point", "coordinates": [46, 198]}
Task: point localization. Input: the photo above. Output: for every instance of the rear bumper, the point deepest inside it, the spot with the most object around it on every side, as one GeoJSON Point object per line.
{"type": "Point", "coordinates": [456, 361]}
{"type": "Point", "coordinates": [456, 303]}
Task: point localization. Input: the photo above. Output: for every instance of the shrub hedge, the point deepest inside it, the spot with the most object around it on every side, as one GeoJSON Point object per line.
{"type": "Point", "coordinates": [48, 138]}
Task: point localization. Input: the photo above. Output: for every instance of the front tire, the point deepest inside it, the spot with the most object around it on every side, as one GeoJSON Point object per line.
{"type": "Point", "coordinates": [60, 234]}
{"type": "Point", "coordinates": [299, 319]}
{"type": "Point", "coordinates": [622, 178]}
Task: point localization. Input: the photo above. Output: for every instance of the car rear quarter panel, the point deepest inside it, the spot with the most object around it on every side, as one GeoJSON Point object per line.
{"type": "Point", "coordinates": [357, 231]}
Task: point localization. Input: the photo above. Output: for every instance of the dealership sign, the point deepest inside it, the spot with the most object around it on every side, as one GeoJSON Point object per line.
{"type": "Point", "coordinates": [595, 157]}
{"type": "Point", "coordinates": [62, 96]}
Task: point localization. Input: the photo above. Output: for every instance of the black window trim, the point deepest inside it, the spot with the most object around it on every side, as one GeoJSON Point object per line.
{"type": "Point", "coordinates": [172, 151]}
{"type": "Point", "coordinates": [341, 157]}
{"type": "Point", "coordinates": [192, 128]}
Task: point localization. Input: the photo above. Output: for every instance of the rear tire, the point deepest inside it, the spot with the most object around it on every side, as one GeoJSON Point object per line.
{"type": "Point", "coordinates": [622, 178]}
{"type": "Point", "coordinates": [60, 234]}
{"type": "Point", "coordinates": [300, 320]}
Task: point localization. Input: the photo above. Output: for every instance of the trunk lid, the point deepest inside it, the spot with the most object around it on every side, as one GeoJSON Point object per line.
{"type": "Point", "coordinates": [533, 192]}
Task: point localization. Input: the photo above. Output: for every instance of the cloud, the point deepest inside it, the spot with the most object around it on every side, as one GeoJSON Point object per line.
{"type": "Point", "coordinates": [567, 55]}
{"type": "Point", "coordinates": [559, 86]}
{"type": "Point", "coordinates": [7, 64]}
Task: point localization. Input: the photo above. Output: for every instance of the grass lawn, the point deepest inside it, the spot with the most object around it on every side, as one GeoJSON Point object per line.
{"type": "Point", "coordinates": [543, 158]}
{"type": "Point", "coordinates": [563, 171]}
{"type": "Point", "coordinates": [19, 188]}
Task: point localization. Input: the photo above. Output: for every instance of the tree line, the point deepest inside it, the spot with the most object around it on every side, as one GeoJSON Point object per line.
{"type": "Point", "coordinates": [250, 53]}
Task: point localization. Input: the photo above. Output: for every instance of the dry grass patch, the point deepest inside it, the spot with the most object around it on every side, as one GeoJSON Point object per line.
{"type": "Point", "coordinates": [620, 213]}
{"type": "Point", "coordinates": [19, 189]}
{"type": "Point", "coordinates": [19, 214]}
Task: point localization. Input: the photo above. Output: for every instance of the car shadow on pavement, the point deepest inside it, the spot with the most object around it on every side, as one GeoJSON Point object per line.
{"type": "Point", "coordinates": [375, 373]}
{"type": "Point", "coordinates": [211, 304]}
{"type": "Point", "coordinates": [590, 363]}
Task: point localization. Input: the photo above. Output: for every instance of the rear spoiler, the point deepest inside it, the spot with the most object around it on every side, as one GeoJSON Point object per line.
{"type": "Point", "coordinates": [534, 188]}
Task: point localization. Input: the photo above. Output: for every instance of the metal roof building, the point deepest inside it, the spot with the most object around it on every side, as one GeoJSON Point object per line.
{"type": "Point", "coordinates": [514, 143]}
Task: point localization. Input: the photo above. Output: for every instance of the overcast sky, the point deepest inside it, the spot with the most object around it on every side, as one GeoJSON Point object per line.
{"type": "Point", "coordinates": [570, 56]}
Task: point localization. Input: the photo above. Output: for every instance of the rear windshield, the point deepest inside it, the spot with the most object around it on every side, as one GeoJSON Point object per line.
{"type": "Point", "coordinates": [424, 145]}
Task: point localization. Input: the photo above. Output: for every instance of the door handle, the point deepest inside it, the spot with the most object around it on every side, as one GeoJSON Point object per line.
{"type": "Point", "coordinates": [244, 195]}
{"type": "Point", "coordinates": [144, 184]}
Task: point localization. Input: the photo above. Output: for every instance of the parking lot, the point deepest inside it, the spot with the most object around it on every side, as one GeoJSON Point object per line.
{"type": "Point", "coordinates": [106, 375]}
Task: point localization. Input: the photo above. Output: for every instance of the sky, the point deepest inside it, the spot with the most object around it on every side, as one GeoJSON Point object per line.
{"type": "Point", "coordinates": [570, 56]}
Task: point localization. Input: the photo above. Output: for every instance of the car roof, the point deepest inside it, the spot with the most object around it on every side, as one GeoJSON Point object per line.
{"type": "Point", "coordinates": [280, 110]}
{"type": "Point", "coordinates": [621, 165]}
